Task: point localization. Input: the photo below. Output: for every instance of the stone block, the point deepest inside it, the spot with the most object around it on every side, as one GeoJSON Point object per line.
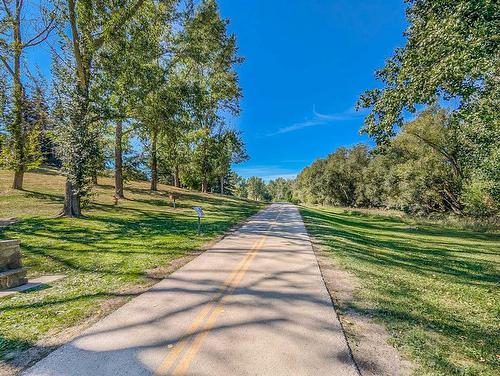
{"type": "Point", "coordinates": [13, 278]}
{"type": "Point", "coordinates": [12, 274]}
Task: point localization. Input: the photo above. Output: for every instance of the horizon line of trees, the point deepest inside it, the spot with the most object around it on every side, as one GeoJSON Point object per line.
{"type": "Point", "coordinates": [159, 73]}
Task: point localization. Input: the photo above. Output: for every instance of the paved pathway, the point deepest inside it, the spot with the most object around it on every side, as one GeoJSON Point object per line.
{"type": "Point", "coordinates": [254, 304]}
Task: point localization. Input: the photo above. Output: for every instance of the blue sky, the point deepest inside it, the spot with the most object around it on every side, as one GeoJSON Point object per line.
{"type": "Point", "coordinates": [307, 62]}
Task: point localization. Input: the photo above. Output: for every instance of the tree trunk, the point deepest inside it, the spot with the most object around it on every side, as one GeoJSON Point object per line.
{"type": "Point", "coordinates": [17, 131]}
{"type": "Point", "coordinates": [154, 162]}
{"type": "Point", "coordinates": [222, 185]}
{"type": "Point", "coordinates": [119, 160]}
{"type": "Point", "coordinates": [204, 185]}
{"type": "Point", "coordinates": [18, 180]}
{"type": "Point", "coordinates": [177, 181]}
{"type": "Point", "coordinates": [94, 177]}
{"type": "Point", "coordinates": [71, 201]}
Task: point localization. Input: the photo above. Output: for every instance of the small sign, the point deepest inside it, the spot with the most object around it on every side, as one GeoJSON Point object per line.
{"type": "Point", "coordinates": [199, 211]}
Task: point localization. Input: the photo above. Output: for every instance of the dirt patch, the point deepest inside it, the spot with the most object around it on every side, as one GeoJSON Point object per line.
{"type": "Point", "coordinates": [368, 341]}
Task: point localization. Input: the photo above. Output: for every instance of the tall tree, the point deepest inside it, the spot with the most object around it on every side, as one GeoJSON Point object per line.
{"type": "Point", "coordinates": [209, 54]}
{"type": "Point", "coordinates": [451, 55]}
{"type": "Point", "coordinates": [15, 17]}
{"type": "Point", "coordinates": [229, 149]}
{"type": "Point", "coordinates": [256, 188]}
{"type": "Point", "coordinates": [91, 25]}
{"type": "Point", "coordinates": [130, 72]}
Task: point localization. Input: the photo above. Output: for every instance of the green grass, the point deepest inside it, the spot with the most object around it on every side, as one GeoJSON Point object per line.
{"type": "Point", "coordinates": [104, 254]}
{"type": "Point", "coordinates": [435, 288]}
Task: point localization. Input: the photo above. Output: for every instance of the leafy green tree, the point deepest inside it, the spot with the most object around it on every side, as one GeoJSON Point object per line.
{"type": "Point", "coordinates": [90, 25]}
{"type": "Point", "coordinates": [281, 189]}
{"type": "Point", "coordinates": [21, 149]}
{"type": "Point", "coordinates": [229, 149]}
{"type": "Point", "coordinates": [209, 54]}
{"type": "Point", "coordinates": [130, 72]}
{"type": "Point", "coordinates": [240, 185]}
{"type": "Point", "coordinates": [451, 55]}
{"type": "Point", "coordinates": [257, 189]}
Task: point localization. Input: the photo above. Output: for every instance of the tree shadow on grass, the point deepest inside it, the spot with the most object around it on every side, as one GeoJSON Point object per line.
{"type": "Point", "coordinates": [393, 263]}
{"type": "Point", "coordinates": [364, 241]}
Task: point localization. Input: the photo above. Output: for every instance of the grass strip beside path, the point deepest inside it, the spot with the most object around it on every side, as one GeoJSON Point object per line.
{"type": "Point", "coordinates": [435, 288]}
{"type": "Point", "coordinates": [107, 252]}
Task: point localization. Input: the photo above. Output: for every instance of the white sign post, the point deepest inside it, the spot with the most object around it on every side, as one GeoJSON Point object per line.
{"type": "Point", "coordinates": [200, 214]}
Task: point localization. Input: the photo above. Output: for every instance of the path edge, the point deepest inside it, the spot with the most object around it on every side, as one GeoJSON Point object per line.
{"type": "Point", "coordinates": [313, 242]}
{"type": "Point", "coordinates": [44, 347]}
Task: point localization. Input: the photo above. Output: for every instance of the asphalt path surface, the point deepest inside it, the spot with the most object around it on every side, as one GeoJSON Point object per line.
{"type": "Point", "coordinates": [254, 304]}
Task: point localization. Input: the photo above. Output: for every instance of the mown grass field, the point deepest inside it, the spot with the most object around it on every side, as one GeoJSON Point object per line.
{"type": "Point", "coordinates": [435, 288]}
{"type": "Point", "coordinates": [112, 250]}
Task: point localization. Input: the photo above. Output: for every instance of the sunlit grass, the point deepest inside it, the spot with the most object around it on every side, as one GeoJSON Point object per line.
{"type": "Point", "coordinates": [436, 288]}
{"type": "Point", "coordinates": [106, 252]}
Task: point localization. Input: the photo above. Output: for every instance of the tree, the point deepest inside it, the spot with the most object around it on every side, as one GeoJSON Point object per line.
{"type": "Point", "coordinates": [91, 26]}
{"type": "Point", "coordinates": [281, 189]}
{"type": "Point", "coordinates": [240, 185]}
{"type": "Point", "coordinates": [451, 52]}
{"type": "Point", "coordinates": [20, 152]}
{"type": "Point", "coordinates": [209, 54]}
{"type": "Point", "coordinates": [229, 149]}
{"type": "Point", "coordinates": [257, 189]}
{"type": "Point", "coordinates": [451, 55]}
{"type": "Point", "coordinates": [130, 72]}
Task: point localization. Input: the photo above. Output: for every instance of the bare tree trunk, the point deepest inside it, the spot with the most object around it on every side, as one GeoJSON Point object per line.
{"type": "Point", "coordinates": [119, 160]}
{"type": "Point", "coordinates": [177, 181]}
{"type": "Point", "coordinates": [18, 133]}
{"type": "Point", "coordinates": [222, 185]}
{"type": "Point", "coordinates": [18, 180]}
{"type": "Point", "coordinates": [154, 162]}
{"type": "Point", "coordinates": [204, 185]}
{"type": "Point", "coordinates": [72, 206]}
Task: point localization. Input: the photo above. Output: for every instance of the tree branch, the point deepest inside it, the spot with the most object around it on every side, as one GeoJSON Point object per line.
{"type": "Point", "coordinates": [7, 65]}
{"type": "Point", "coordinates": [7, 9]}
{"type": "Point", "coordinates": [441, 151]}
{"type": "Point", "coordinates": [41, 36]}
{"type": "Point", "coordinates": [111, 29]}
{"type": "Point", "coordinates": [76, 42]}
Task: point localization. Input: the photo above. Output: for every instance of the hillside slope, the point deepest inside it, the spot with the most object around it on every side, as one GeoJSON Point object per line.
{"type": "Point", "coordinates": [114, 252]}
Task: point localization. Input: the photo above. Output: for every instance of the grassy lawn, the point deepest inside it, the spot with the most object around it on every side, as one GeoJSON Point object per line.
{"type": "Point", "coordinates": [107, 252]}
{"type": "Point", "coordinates": [435, 288]}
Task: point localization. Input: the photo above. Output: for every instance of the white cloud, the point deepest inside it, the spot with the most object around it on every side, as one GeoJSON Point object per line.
{"type": "Point", "coordinates": [266, 172]}
{"type": "Point", "coordinates": [319, 119]}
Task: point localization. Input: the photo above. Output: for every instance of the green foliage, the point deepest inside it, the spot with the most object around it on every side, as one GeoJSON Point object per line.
{"type": "Point", "coordinates": [451, 52]}
{"type": "Point", "coordinates": [27, 141]}
{"type": "Point", "coordinates": [240, 185]}
{"type": "Point", "coordinates": [451, 55]}
{"type": "Point", "coordinates": [257, 189]}
{"type": "Point", "coordinates": [281, 190]}
{"type": "Point", "coordinates": [418, 171]}
{"type": "Point", "coordinates": [335, 180]}
{"type": "Point", "coordinates": [478, 200]}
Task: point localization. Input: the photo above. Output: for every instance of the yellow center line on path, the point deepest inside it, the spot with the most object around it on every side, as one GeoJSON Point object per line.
{"type": "Point", "coordinates": [197, 342]}
{"type": "Point", "coordinates": [215, 306]}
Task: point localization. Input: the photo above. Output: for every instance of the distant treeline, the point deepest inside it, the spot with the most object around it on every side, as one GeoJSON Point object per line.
{"type": "Point", "coordinates": [424, 169]}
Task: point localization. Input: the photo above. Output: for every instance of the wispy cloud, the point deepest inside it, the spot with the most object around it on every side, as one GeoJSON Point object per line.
{"type": "Point", "coordinates": [267, 172]}
{"type": "Point", "coordinates": [319, 119]}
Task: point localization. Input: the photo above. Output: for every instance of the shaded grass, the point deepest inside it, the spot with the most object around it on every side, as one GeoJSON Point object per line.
{"type": "Point", "coordinates": [106, 252]}
{"type": "Point", "coordinates": [436, 288]}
